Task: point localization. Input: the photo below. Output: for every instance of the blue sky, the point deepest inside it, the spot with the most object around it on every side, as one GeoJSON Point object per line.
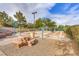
{"type": "Point", "coordinates": [63, 8]}
{"type": "Point", "coordinates": [62, 13]}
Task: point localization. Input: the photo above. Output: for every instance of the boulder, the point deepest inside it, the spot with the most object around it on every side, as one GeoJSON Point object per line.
{"type": "Point", "coordinates": [24, 41]}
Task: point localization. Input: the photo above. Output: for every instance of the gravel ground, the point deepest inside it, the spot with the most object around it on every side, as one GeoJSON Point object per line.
{"type": "Point", "coordinates": [51, 45]}
{"type": "Point", "coordinates": [42, 48]}
{"type": "Point", "coordinates": [58, 35]}
{"type": "Point", "coordinates": [2, 53]}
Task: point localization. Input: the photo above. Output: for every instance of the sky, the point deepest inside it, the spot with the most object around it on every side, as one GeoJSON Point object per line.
{"type": "Point", "coordinates": [61, 13]}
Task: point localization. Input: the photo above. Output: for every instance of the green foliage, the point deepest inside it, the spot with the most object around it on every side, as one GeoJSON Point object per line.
{"type": "Point", "coordinates": [73, 32]}
{"type": "Point", "coordinates": [69, 32]}
{"type": "Point", "coordinates": [30, 25]}
{"type": "Point", "coordinates": [60, 28]}
{"type": "Point", "coordinates": [5, 20]}
{"type": "Point", "coordinates": [21, 20]}
{"type": "Point", "coordinates": [8, 22]}
{"type": "Point", "coordinates": [39, 23]}
{"type": "Point", "coordinates": [19, 16]}
{"type": "Point", "coordinates": [3, 17]}
{"type": "Point", "coordinates": [45, 22]}
{"type": "Point", "coordinates": [49, 23]}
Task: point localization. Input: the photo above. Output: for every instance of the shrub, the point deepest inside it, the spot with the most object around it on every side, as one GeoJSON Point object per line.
{"type": "Point", "coordinates": [73, 33]}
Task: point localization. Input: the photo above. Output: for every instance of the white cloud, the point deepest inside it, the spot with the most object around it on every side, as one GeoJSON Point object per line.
{"type": "Point", "coordinates": [67, 6]}
{"type": "Point", "coordinates": [27, 9]}
{"type": "Point", "coordinates": [65, 19]}
{"type": "Point", "coordinates": [72, 18]}
{"type": "Point", "coordinates": [42, 10]}
{"type": "Point", "coordinates": [73, 10]}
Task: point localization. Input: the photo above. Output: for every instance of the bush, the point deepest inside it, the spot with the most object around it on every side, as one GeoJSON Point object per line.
{"type": "Point", "coordinates": [73, 33]}
{"type": "Point", "coordinates": [69, 32]}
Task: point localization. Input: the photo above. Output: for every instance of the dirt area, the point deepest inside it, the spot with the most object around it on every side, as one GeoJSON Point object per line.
{"type": "Point", "coordinates": [2, 53]}
{"type": "Point", "coordinates": [53, 44]}
{"type": "Point", "coordinates": [58, 35]}
{"type": "Point", "coordinates": [42, 48]}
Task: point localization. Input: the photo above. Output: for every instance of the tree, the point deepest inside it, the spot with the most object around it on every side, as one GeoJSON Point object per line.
{"type": "Point", "coordinates": [5, 20]}
{"type": "Point", "coordinates": [2, 14]}
{"type": "Point", "coordinates": [46, 23]}
{"type": "Point", "coordinates": [61, 28]}
{"type": "Point", "coordinates": [30, 25]}
{"type": "Point", "coordinates": [39, 23]}
{"type": "Point", "coordinates": [49, 24]}
{"type": "Point", "coordinates": [20, 19]}
{"type": "Point", "coordinates": [19, 16]}
{"type": "Point", "coordinates": [10, 22]}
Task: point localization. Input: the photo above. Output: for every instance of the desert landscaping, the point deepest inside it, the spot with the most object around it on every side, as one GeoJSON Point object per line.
{"type": "Point", "coordinates": [37, 29]}
{"type": "Point", "coordinates": [53, 44]}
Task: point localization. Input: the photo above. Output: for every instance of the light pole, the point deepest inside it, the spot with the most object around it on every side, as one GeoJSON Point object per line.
{"type": "Point", "coordinates": [14, 27]}
{"type": "Point", "coordinates": [43, 30]}
{"type": "Point", "coordinates": [34, 24]}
